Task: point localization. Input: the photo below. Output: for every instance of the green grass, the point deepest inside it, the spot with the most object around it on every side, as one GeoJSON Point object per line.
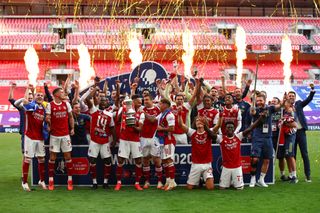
{"type": "Point", "coordinates": [281, 197]}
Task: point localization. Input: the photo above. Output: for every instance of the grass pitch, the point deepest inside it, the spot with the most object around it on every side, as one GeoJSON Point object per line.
{"type": "Point", "coordinates": [281, 197]}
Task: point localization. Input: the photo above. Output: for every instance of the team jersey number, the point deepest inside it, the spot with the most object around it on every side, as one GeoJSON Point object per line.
{"type": "Point", "coordinates": [102, 122]}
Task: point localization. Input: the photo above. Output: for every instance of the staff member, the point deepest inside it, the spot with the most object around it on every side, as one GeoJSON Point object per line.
{"type": "Point", "coordinates": [301, 138]}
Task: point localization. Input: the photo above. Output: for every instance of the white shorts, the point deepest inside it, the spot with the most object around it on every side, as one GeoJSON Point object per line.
{"type": "Point", "coordinates": [33, 148]}
{"type": "Point", "coordinates": [198, 170]}
{"type": "Point", "coordinates": [150, 146]}
{"type": "Point", "coordinates": [96, 148]}
{"type": "Point", "coordinates": [167, 151]}
{"type": "Point", "coordinates": [61, 142]}
{"type": "Point", "coordinates": [181, 138]}
{"type": "Point", "coordinates": [231, 176]}
{"type": "Point", "coordinates": [127, 147]}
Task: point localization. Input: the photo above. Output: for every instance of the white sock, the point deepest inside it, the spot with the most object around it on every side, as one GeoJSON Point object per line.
{"type": "Point", "coordinates": [262, 175]}
{"type": "Point", "coordinates": [290, 175]}
{"type": "Point", "coordinates": [294, 173]}
{"type": "Point", "coordinates": [105, 180]}
{"type": "Point", "coordinates": [51, 178]}
{"type": "Point", "coordinates": [136, 182]}
{"type": "Point", "coordinates": [282, 173]}
{"type": "Point", "coordinates": [94, 181]}
{"type": "Point", "coordinates": [69, 177]}
{"type": "Point", "coordinates": [119, 181]}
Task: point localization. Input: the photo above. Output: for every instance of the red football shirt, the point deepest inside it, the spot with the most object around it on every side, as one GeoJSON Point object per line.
{"type": "Point", "coordinates": [166, 121]}
{"type": "Point", "coordinates": [230, 115]}
{"type": "Point", "coordinates": [201, 150]}
{"type": "Point", "coordinates": [149, 128]}
{"type": "Point", "coordinates": [59, 118]}
{"type": "Point", "coordinates": [101, 121]}
{"type": "Point", "coordinates": [129, 133]}
{"type": "Point", "coordinates": [34, 121]}
{"type": "Point", "coordinates": [231, 150]}
{"type": "Point", "coordinates": [211, 114]}
{"type": "Point", "coordinates": [184, 113]}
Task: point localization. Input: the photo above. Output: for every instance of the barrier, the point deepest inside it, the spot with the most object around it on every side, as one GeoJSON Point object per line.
{"type": "Point", "coordinates": [182, 162]}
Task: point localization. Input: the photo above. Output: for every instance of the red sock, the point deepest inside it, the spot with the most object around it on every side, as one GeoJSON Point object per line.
{"type": "Point", "coordinates": [93, 171]}
{"type": "Point", "coordinates": [25, 170]}
{"type": "Point", "coordinates": [41, 170]}
{"type": "Point", "coordinates": [107, 171]}
{"type": "Point", "coordinates": [172, 171]}
{"type": "Point", "coordinates": [159, 173]}
{"type": "Point", "coordinates": [51, 165]}
{"type": "Point", "coordinates": [119, 172]}
{"type": "Point", "coordinates": [69, 166]}
{"type": "Point", "coordinates": [138, 172]}
{"type": "Point", "coordinates": [166, 170]}
{"type": "Point", "coordinates": [146, 173]}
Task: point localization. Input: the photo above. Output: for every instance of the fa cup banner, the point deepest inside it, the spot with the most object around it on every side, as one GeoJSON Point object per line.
{"type": "Point", "coordinates": [182, 161]}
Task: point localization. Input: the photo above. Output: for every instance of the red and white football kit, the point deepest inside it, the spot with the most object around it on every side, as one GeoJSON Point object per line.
{"type": "Point", "coordinates": [231, 160]}
{"type": "Point", "coordinates": [179, 135]}
{"type": "Point", "coordinates": [201, 156]}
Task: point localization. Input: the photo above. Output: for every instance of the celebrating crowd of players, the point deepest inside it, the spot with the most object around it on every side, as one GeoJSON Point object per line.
{"type": "Point", "coordinates": [181, 113]}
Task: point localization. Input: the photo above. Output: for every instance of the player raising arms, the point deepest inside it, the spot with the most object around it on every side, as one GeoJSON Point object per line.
{"type": "Point", "coordinates": [201, 153]}
{"type": "Point", "coordinates": [33, 140]}
{"type": "Point", "coordinates": [149, 146]}
{"type": "Point", "coordinates": [59, 118]}
{"type": "Point", "coordinates": [101, 128]}
{"type": "Point", "coordinates": [130, 143]}
{"type": "Point", "coordinates": [230, 145]}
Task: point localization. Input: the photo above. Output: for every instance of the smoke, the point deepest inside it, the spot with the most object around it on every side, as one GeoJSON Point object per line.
{"type": "Point", "coordinates": [241, 53]}
{"type": "Point", "coordinates": [86, 70]}
{"type": "Point", "coordinates": [187, 57]}
{"type": "Point", "coordinates": [286, 58]}
{"type": "Point", "coordinates": [135, 54]}
{"type": "Point", "coordinates": [31, 61]}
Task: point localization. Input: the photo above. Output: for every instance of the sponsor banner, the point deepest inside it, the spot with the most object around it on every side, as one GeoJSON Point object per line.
{"type": "Point", "coordinates": [9, 118]}
{"type": "Point", "coordinates": [182, 161]}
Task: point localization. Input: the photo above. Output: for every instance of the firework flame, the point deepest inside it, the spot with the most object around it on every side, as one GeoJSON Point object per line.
{"type": "Point", "coordinates": [86, 70]}
{"type": "Point", "coordinates": [135, 54]}
{"type": "Point", "coordinates": [286, 58]}
{"type": "Point", "coordinates": [31, 61]}
{"type": "Point", "coordinates": [187, 57]}
{"type": "Point", "coordinates": [241, 53]}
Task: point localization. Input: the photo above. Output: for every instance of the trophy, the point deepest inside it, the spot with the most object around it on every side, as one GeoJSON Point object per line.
{"type": "Point", "coordinates": [130, 119]}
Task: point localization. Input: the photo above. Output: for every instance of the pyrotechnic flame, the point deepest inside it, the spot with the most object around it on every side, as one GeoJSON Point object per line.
{"type": "Point", "coordinates": [86, 70]}
{"type": "Point", "coordinates": [135, 54]}
{"type": "Point", "coordinates": [31, 61]}
{"type": "Point", "coordinates": [187, 57]}
{"type": "Point", "coordinates": [286, 58]}
{"type": "Point", "coordinates": [241, 53]}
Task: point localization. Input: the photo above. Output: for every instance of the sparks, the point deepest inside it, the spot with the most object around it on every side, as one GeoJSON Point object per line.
{"type": "Point", "coordinates": [286, 58]}
{"type": "Point", "coordinates": [241, 53]}
{"type": "Point", "coordinates": [135, 54]}
{"type": "Point", "coordinates": [187, 57]}
{"type": "Point", "coordinates": [31, 61]}
{"type": "Point", "coordinates": [86, 70]}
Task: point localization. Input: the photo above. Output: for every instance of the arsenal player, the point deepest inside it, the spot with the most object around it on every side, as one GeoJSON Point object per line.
{"type": "Point", "coordinates": [206, 110]}
{"type": "Point", "coordinates": [230, 113]}
{"type": "Point", "coordinates": [130, 144]}
{"type": "Point", "coordinates": [101, 128]}
{"type": "Point", "coordinates": [59, 118]}
{"type": "Point", "coordinates": [150, 149]}
{"type": "Point", "coordinates": [184, 109]}
{"type": "Point", "coordinates": [165, 139]}
{"type": "Point", "coordinates": [230, 145]}
{"type": "Point", "coordinates": [201, 153]}
{"type": "Point", "coordinates": [33, 140]}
